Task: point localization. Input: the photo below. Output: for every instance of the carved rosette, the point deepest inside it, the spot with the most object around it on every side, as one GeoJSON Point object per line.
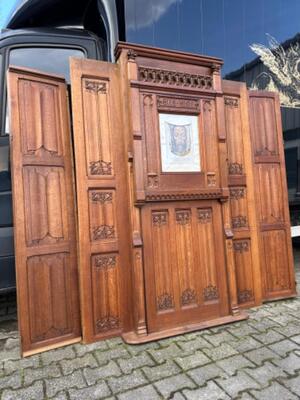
{"type": "Point", "coordinates": [105, 262]}
{"type": "Point", "coordinates": [235, 169]}
{"type": "Point", "coordinates": [103, 232]}
{"type": "Point", "coordinates": [159, 219]}
{"type": "Point", "coordinates": [245, 296]}
{"type": "Point", "coordinates": [102, 197]}
{"type": "Point", "coordinates": [183, 217]}
{"type": "Point", "coordinates": [161, 76]}
{"type": "Point", "coordinates": [165, 302]}
{"type": "Point", "coordinates": [210, 293]}
{"type": "Point", "coordinates": [237, 193]}
{"type": "Point", "coordinates": [231, 102]}
{"type": "Point", "coordinates": [107, 323]}
{"type": "Point", "coordinates": [96, 87]}
{"type": "Point", "coordinates": [211, 179]}
{"type": "Point", "coordinates": [100, 167]}
{"type": "Point", "coordinates": [152, 181]}
{"type": "Point", "coordinates": [204, 215]}
{"type": "Point", "coordinates": [240, 221]}
{"type": "Point", "coordinates": [241, 246]}
{"type": "Point", "coordinates": [188, 297]}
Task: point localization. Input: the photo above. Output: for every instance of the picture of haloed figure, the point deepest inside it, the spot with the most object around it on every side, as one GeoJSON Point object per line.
{"type": "Point", "coordinates": [180, 139]}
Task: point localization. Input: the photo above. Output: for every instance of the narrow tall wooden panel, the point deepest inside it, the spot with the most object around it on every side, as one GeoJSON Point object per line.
{"type": "Point", "coordinates": [242, 198]}
{"type": "Point", "coordinates": [271, 196]}
{"type": "Point", "coordinates": [103, 221]}
{"type": "Point", "coordinates": [44, 211]}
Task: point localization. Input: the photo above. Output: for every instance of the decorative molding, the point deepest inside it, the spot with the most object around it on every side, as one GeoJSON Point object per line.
{"type": "Point", "coordinates": [204, 215]}
{"type": "Point", "coordinates": [207, 107]}
{"type": "Point", "coordinates": [188, 297]}
{"type": "Point", "coordinates": [210, 293]}
{"type": "Point", "coordinates": [165, 77]}
{"type": "Point", "coordinates": [183, 217]}
{"type": "Point", "coordinates": [148, 100]}
{"type": "Point", "coordinates": [215, 67]}
{"type": "Point", "coordinates": [107, 323]}
{"type": "Point", "coordinates": [103, 232]}
{"type": "Point", "coordinates": [96, 87]}
{"type": "Point", "coordinates": [159, 219]}
{"type": "Point", "coordinates": [131, 54]}
{"type": "Point", "coordinates": [165, 302]}
{"type": "Point", "coordinates": [241, 246]}
{"type": "Point", "coordinates": [211, 179]}
{"type": "Point", "coordinates": [102, 197]}
{"type": "Point", "coordinates": [178, 103]}
{"type": "Point", "coordinates": [237, 193]}
{"type": "Point", "coordinates": [100, 167]}
{"type": "Point", "coordinates": [105, 261]}
{"type": "Point", "coordinates": [235, 169]}
{"type": "Point", "coordinates": [231, 102]}
{"type": "Point", "coordinates": [266, 152]}
{"type": "Point", "coordinates": [240, 221]}
{"type": "Point", "coordinates": [245, 295]}
{"type": "Point", "coordinates": [183, 196]}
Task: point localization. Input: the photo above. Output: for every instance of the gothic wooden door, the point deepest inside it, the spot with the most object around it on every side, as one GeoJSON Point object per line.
{"type": "Point", "coordinates": [44, 211]}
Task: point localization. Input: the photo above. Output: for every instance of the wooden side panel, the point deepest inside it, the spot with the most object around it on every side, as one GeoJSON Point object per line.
{"type": "Point", "coordinates": [242, 205]}
{"type": "Point", "coordinates": [44, 212]}
{"type": "Point", "coordinates": [184, 274]}
{"type": "Point", "coordinates": [104, 240]}
{"type": "Point", "coordinates": [271, 196]}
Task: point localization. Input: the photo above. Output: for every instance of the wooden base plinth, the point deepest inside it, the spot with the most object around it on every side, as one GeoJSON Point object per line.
{"type": "Point", "coordinates": [133, 338]}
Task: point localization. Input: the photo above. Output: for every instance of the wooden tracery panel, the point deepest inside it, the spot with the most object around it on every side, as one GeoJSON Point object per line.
{"type": "Point", "coordinates": [184, 274]}
{"type": "Point", "coordinates": [44, 211]}
{"type": "Point", "coordinates": [242, 200]}
{"type": "Point", "coordinates": [102, 198]}
{"type": "Point", "coordinates": [271, 196]}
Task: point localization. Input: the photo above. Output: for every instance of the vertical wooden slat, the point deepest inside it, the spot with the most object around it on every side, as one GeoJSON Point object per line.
{"type": "Point", "coordinates": [44, 211]}
{"type": "Point", "coordinates": [271, 196]}
{"type": "Point", "coordinates": [101, 181]}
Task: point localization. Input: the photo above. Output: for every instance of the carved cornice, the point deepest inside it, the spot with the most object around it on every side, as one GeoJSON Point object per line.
{"type": "Point", "coordinates": [241, 246]}
{"type": "Point", "coordinates": [100, 167]}
{"type": "Point", "coordinates": [161, 76]}
{"type": "Point", "coordinates": [237, 193]}
{"type": "Point", "coordinates": [105, 262]}
{"type": "Point", "coordinates": [183, 217]}
{"type": "Point", "coordinates": [188, 297]}
{"type": "Point", "coordinates": [231, 102]}
{"type": "Point", "coordinates": [102, 197]}
{"type": "Point", "coordinates": [107, 323]}
{"type": "Point", "coordinates": [183, 196]}
{"type": "Point", "coordinates": [204, 215]}
{"type": "Point", "coordinates": [210, 293]}
{"type": "Point", "coordinates": [240, 221]}
{"type": "Point", "coordinates": [165, 302]}
{"type": "Point", "coordinates": [96, 87]}
{"type": "Point", "coordinates": [178, 103]}
{"type": "Point", "coordinates": [235, 169]}
{"type": "Point", "coordinates": [103, 232]}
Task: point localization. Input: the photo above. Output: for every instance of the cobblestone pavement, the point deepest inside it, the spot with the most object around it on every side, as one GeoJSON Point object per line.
{"type": "Point", "coordinates": [254, 359]}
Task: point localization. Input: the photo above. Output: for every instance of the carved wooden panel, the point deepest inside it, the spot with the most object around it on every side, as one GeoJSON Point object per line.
{"type": "Point", "coordinates": [241, 189]}
{"type": "Point", "coordinates": [271, 196]}
{"type": "Point", "coordinates": [184, 272]}
{"type": "Point", "coordinates": [44, 214]}
{"type": "Point", "coordinates": [102, 198]}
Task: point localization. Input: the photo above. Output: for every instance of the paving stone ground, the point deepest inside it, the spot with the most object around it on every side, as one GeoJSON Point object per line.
{"type": "Point", "coordinates": [254, 359]}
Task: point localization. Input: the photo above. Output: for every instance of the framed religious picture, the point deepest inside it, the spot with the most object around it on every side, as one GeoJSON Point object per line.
{"type": "Point", "coordinates": [179, 143]}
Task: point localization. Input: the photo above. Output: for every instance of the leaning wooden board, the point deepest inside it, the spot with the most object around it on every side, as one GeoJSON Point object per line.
{"type": "Point", "coordinates": [103, 204]}
{"type": "Point", "coordinates": [44, 211]}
